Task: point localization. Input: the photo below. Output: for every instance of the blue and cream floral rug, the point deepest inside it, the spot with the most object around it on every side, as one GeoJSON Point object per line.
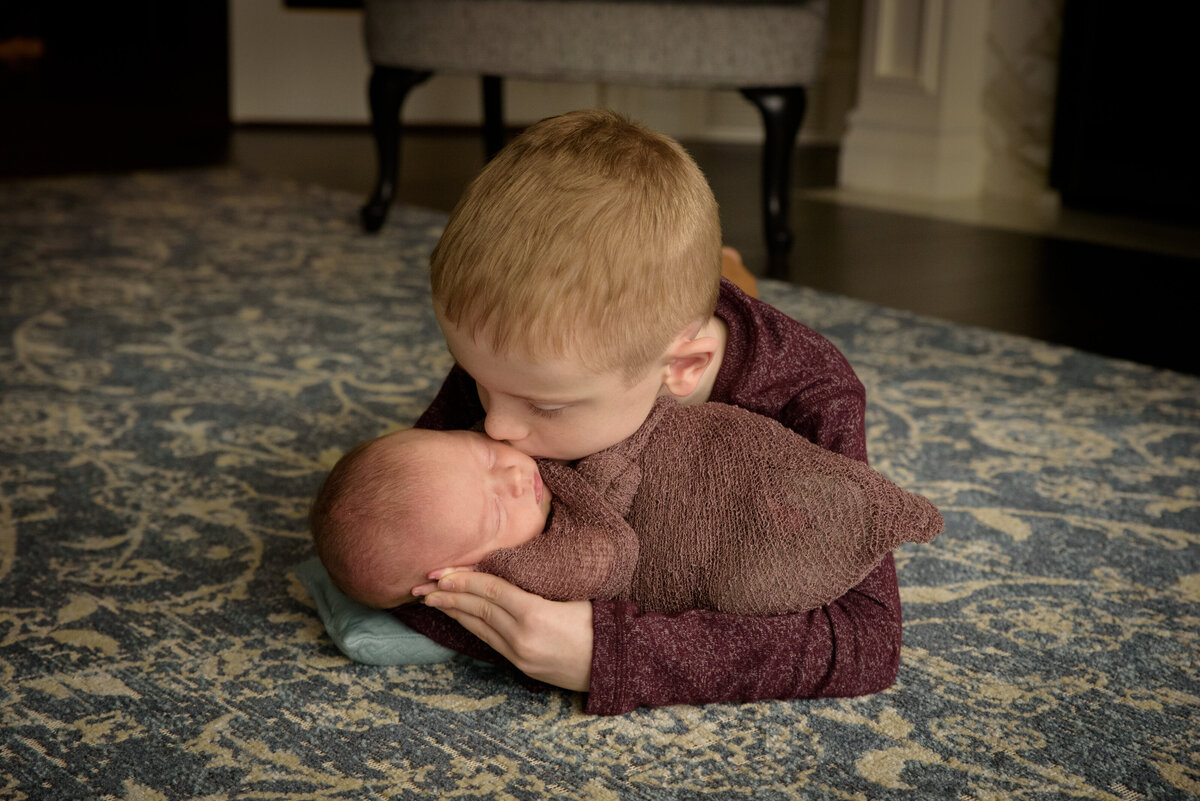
{"type": "Point", "coordinates": [183, 354]}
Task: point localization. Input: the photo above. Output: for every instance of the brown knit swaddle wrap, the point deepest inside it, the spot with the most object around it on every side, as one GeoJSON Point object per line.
{"type": "Point", "coordinates": [731, 510]}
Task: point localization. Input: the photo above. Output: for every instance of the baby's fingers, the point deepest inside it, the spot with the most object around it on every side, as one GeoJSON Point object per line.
{"type": "Point", "coordinates": [434, 575]}
{"type": "Point", "coordinates": [424, 589]}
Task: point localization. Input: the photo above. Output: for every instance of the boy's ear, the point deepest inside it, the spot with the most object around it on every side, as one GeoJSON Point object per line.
{"type": "Point", "coordinates": [687, 360]}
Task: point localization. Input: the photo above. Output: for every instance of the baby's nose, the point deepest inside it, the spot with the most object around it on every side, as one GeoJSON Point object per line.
{"type": "Point", "coordinates": [514, 478]}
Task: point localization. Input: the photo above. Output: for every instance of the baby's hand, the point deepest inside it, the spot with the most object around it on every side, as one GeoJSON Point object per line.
{"type": "Point", "coordinates": [434, 575]}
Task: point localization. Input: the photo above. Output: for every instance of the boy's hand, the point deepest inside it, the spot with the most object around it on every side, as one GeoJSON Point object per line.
{"type": "Point", "coordinates": [546, 640]}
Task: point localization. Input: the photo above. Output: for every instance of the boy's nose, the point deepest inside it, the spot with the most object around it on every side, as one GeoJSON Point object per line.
{"type": "Point", "coordinates": [502, 426]}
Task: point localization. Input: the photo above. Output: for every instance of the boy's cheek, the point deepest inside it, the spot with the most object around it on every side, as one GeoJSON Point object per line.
{"type": "Point", "coordinates": [577, 434]}
{"type": "Point", "coordinates": [559, 449]}
{"type": "Point", "coordinates": [576, 445]}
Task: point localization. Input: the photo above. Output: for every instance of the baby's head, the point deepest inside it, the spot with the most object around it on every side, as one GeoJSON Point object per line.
{"type": "Point", "coordinates": [397, 507]}
{"type": "Point", "coordinates": [589, 243]}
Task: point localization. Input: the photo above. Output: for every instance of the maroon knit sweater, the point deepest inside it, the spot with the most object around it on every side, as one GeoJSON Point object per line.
{"type": "Point", "coordinates": [776, 367]}
{"type": "Point", "coordinates": [713, 507]}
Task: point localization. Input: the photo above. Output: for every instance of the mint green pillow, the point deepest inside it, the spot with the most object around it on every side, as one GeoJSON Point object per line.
{"type": "Point", "coordinates": [367, 635]}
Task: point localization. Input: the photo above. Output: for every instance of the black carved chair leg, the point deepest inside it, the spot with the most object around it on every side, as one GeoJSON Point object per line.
{"type": "Point", "coordinates": [782, 110]}
{"type": "Point", "coordinates": [493, 115]}
{"type": "Point", "coordinates": [388, 88]}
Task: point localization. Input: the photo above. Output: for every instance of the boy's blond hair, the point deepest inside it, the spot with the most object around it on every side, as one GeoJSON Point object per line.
{"type": "Point", "coordinates": [588, 235]}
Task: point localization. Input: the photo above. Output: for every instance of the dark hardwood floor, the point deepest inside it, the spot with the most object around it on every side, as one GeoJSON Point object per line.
{"type": "Point", "coordinates": [1132, 302]}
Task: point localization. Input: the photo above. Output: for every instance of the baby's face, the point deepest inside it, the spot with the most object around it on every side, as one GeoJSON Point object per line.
{"type": "Point", "coordinates": [490, 495]}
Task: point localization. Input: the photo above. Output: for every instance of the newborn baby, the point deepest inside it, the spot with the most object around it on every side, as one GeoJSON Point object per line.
{"type": "Point", "coordinates": [776, 524]}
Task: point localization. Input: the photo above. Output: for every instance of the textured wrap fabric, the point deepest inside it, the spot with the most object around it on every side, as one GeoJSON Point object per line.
{"type": "Point", "coordinates": [778, 367]}
{"type": "Point", "coordinates": [714, 507]}
{"type": "Point", "coordinates": [714, 44]}
{"type": "Point", "coordinates": [588, 549]}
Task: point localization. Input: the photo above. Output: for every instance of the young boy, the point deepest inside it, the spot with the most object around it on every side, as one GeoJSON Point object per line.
{"type": "Point", "coordinates": [776, 524]}
{"type": "Point", "coordinates": [575, 283]}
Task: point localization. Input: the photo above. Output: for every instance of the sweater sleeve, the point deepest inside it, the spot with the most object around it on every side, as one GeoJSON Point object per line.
{"type": "Point", "coordinates": [846, 648]}
{"type": "Point", "coordinates": [779, 368]}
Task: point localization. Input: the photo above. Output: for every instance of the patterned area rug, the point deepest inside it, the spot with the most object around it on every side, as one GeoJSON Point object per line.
{"type": "Point", "coordinates": [184, 354]}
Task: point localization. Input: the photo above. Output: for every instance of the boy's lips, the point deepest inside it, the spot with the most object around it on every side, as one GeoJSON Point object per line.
{"type": "Point", "coordinates": [537, 486]}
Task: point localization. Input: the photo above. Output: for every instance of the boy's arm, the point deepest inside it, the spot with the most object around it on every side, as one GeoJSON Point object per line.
{"type": "Point", "coordinates": [782, 369]}
{"type": "Point", "coordinates": [849, 647]}
{"type": "Point", "coordinates": [625, 659]}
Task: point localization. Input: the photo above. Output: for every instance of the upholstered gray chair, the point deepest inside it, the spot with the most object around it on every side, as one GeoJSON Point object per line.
{"type": "Point", "coordinates": [770, 51]}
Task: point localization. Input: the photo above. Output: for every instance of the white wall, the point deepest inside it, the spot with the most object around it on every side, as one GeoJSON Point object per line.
{"type": "Point", "coordinates": [955, 99]}
{"type": "Point", "coordinates": [290, 66]}
{"type": "Point", "coordinates": [309, 66]}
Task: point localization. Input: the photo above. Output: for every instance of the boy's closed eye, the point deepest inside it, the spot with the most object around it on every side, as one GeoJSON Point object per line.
{"type": "Point", "coordinates": [547, 410]}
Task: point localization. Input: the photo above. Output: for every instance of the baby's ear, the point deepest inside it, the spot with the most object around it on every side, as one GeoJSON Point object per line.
{"type": "Point", "coordinates": [686, 362]}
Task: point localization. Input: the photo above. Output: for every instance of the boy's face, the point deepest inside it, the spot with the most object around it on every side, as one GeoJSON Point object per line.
{"type": "Point", "coordinates": [555, 409]}
{"type": "Point", "coordinates": [490, 496]}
